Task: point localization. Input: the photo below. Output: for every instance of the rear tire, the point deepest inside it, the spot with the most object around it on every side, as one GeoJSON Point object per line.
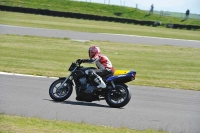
{"type": "Point", "coordinates": [61, 94]}
{"type": "Point", "coordinates": [120, 97]}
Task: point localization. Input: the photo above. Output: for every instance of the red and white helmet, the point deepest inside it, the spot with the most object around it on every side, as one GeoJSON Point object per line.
{"type": "Point", "coordinates": [93, 51]}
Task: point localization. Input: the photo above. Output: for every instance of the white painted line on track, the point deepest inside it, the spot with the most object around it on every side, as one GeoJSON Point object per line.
{"type": "Point", "coordinates": [25, 75]}
{"type": "Point", "coordinates": [150, 37]}
{"type": "Point", "coordinates": [80, 40]}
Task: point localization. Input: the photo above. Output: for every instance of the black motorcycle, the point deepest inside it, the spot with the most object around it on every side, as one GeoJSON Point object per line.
{"type": "Point", "coordinates": [117, 94]}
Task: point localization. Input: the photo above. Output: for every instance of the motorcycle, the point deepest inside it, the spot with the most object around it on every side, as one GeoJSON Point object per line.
{"type": "Point", "coordinates": [116, 94]}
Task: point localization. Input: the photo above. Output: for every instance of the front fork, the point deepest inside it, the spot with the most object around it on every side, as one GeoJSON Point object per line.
{"type": "Point", "coordinates": [66, 78]}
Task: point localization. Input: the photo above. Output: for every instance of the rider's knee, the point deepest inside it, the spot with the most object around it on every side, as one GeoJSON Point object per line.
{"type": "Point", "coordinates": [91, 72]}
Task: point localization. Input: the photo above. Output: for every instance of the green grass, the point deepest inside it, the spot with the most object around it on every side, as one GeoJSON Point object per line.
{"type": "Point", "coordinates": [161, 66]}
{"type": "Point", "coordinates": [30, 20]}
{"type": "Point", "coordinates": [164, 66]}
{"type": "Point", "coordinates": [16, 124]}
{"type": "Point", "coordinates": [97, 9]}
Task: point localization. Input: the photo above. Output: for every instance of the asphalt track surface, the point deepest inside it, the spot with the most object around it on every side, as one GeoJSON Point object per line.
{"type": "Point", "coordinates": [172, 110]}
{"type": "Point", "coordinates": [84, 36]}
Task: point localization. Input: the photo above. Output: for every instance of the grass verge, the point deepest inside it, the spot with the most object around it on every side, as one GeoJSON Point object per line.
{"type": "Point", "coordinates": [161, 66]}
{"type": "Point", "coordinates": [21, 19]}
{"type": "Point", "coordinates": [16, 124]}
{"type": "Point", "coordinates": [97, 9]}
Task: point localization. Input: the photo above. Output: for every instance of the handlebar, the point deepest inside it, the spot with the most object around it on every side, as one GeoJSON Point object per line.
{"type": "Point", "coordinates": [79, 61]}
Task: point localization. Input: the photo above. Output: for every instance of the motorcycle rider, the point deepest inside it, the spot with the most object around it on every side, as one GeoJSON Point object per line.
{"type": "Point", "coordinates": [103, 64]}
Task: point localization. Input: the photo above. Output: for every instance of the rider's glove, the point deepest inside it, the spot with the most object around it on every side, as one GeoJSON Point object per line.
{"type": "Point", "coordinates": [79, 61]}
{"type": "Point", "coordinates": [82, 60]}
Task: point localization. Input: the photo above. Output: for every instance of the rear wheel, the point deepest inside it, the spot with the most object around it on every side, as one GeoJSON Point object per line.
{"type": "Point", "coordinates": [60, 94]}
{"type": "Point", "coordinates": [119, 97]}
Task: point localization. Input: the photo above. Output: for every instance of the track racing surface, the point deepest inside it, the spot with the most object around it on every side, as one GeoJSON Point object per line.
{"type": "Point", "coordinates": [172, 110]}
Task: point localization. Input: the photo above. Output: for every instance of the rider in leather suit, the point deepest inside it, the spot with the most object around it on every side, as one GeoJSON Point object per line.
{"type": "Point", "coordinates": [103, 64]}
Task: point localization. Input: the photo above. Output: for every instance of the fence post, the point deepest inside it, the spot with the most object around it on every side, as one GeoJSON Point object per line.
{"type": "Point", "coordinates": [161, 13]}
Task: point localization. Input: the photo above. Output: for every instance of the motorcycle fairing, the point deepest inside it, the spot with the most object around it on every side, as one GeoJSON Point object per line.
{"type": "Point", "coordinates": [123, 78]}
{"type": "Point", "coordinates": [121, 72]}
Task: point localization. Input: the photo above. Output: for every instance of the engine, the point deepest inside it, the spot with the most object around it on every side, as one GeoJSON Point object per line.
{"type": "Point", "coordinates": [81, 84]}
{"type": "Point", "coordinates": [83, 81]}
{"type": "Point", "coordinates": [84, 86]}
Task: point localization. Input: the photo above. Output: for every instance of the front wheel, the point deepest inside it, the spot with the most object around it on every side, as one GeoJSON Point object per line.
{"type": "Point", "coordinates": [60, 94]}
{"type": "Point", "coordinates": [119, 97]}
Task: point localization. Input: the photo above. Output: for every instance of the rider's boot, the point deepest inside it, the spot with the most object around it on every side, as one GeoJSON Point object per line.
{"type": "Point", "coordinates": [100, 81]}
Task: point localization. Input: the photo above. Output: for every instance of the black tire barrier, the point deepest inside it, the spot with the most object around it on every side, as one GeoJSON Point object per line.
{"type": "Point", "coordinates": [157, 23]}
{"type": "Point", "coordinates": [170, 25]}
{"type": "Point", "coordinates": [92, 17]}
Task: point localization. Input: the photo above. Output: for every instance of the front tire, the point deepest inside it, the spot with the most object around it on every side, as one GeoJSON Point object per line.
{"type": "Point", "coordinates": [119, 97]}
{"type": "Point", "coordinates": [62, 93]}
